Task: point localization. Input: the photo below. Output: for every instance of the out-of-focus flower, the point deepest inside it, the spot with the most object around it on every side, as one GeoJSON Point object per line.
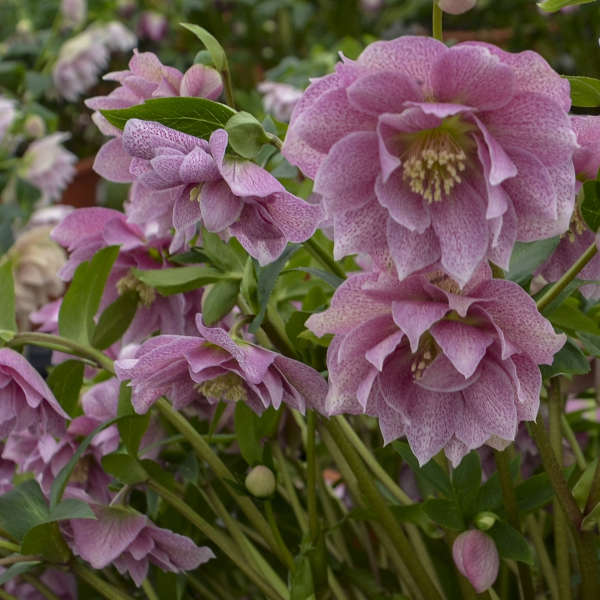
{"type": "Point", "coordinates": [131, 542]}
{"type": "Point", "coordinates": [214, 367]}
{"type": "Point", "coordinates": [36, 260]}
{"type": "Point", "coordinates": [7, 115]}
{"type": "Point", "coordinates": [279, 99]}
{"type": "Point", "coordinates": [48, 166]}
{"type": "Point", "coordinates": [64, 586]}
{"type": "Point", "coordinates": [34, 126]}
{"type": "Point", "coordinates": [450, 370]}
{"type": "Point", "coordinates": [7, 471]}
{"type": "Point", "coordinates": [116, 37]}
{"type": "Point", "coordinates": [152, 25]}
{"type": "Point", "coordinates": [456, 7]}
{"type": "Point", "coordinates": [371, 6]}
{"type": "Point", "coordinates": [25, 398]}
{"type": "Point", "coordinates": [476, 557]}
{"type": "Point", "coordinates": [73, 12]}
{"type": "Point", "coordinates": [414, 142]}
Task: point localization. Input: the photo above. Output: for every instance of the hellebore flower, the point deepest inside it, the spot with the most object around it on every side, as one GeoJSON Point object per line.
{"type": "Point", "coordinates": [25, 399]}
{"type": "Point", "coordinates": [64, 586]}
{"type": "Point", "coordinates": [213, 367]}
{"type": "Point", "coordinates": [73, 12]}
{"type": "Point", "coordinates": [578, 238]}
{"type": "Point", "coordinates": [476, 557]}
{"type": "Point", "coordinates": [48, 166]}
{"type": "Point", "coordinates": [7, 115]}
{"type": "Point", "coordinates": [424, 153]}
{"type": "Point", "coordinates": [279, 99]}
{"type": "Point", "coordinates": [181, 180]}
{"type": "Point", "coordinates": [449, 370]}
{"type": "Point", "coordinates": [456, 7]}
{"type": "Point", "coordinates": [152, 25]}
{"type": "Point", "coordinates": [130, 541]}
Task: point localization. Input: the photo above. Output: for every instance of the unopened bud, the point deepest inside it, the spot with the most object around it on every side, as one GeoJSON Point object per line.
{"type": "Point", "coordinates": [260, 482]}
{"type": "Point", "coordinates": [485, 520]}
{"type": "Point", "coordinates": [35, 126]}
{"type": "Point", "coordinates": [456, 7]}
{"type": "Point", "coordinates": [476, 557]}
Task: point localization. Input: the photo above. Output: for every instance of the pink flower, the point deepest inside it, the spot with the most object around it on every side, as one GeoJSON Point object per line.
{"type": "Point", "coordinates": [449, 370]}
{"type": "Point", "coordinates": [279, 99]}
{"type": "Point", "coordinates": [7, 115]}
{"type": "Point", "coordinates": [190, 181]}
{"type": "Point", "coordinates": [64, 585]}
{"type": "Point", "coordinates": [213, 367]}
{"type": "Point", "coordinates": [456, 7]}
{"type": "Point", "coordinates": [25, 399]}
{"type": "Point", "coordinates": [476, 557]}
{"type": "Point", "coordinates": [152, 25]}
{"type": "Point", "coordinates": [424, 153]}
{"type": "Point", "coordinates": [73, 12]}
{"type": "Point", "coordinates": [130, 541]}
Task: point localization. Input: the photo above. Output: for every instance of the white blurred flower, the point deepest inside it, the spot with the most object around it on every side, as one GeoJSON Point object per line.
{"type": "Point", "coordinates": [279, 99]}
{"type": "Point", "coordinates": [73, 12]}
{"type": "Point", "coordinates": [7, 115]}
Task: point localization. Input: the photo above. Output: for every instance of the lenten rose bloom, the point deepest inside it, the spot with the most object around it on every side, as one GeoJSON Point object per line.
{"type": "Point", "coordinates": [7, 115]}
{"type": "Point", "coordinates": [450, 370]}
{"type": "Point", "coordinates": [131, 542]}
{"type": "Point", "coordinates": [64, 585]}
{"type": "Point", "coordinates": [578, 238]}
{"type": "Point", "coordinates": [458, 152]}
{"type": "Point", "coordinates": [476, 557]}
{"type": "Point", "coordinates": [25, 398]}
{"type": "Point", "coordinates": [212, 367]}
{"type": "Point", "coordinates": [182, 180]}
{"type": "Point", "coordinates": [279, 99]}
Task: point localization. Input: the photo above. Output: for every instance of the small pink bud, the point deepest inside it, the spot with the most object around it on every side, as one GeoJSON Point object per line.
{"type": "Point", "coordinates": [456, 7]}
{"type": "Point", "coordinates": [476, 557]}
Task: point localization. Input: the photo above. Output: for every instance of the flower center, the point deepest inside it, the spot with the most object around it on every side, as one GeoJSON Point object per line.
{"type": "Point", "coordinates": [130, 282]}
{"type": "Point", "coordinates": [424, 356]}
{"type": "Point", "coordinates": [577, 225]}
{"type": "Point", "coordinates": [433, 164]}
{"type": "Point", "coordinates": [228, 387]}
{"type": "Point", "coordinates": [444, 282]}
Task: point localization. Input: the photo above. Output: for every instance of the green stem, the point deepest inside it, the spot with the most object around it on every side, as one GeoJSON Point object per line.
{"type": "Point", "coordinates": [6, 596]}
{"type": "Point", "coordinates": [311, 475]}
{"type": "Point", "coordinates": [228, 85]}
{"type": "Point", "coordinates": [564, 281]}
{"type": "Point", "coordinates": [149, 590]}
{"type": "Point", "coordinates": [69, 346]}
{"type": "Point", "coordinates": [314, 248]}
{"type": "Point", "coordinates": [289, 559]}
{"type": "Point", "coordinates": [216, 536]}
{"type": "Point", "coordinates": [205, 453]}
{"type": "Point", "coordinates": [11, 560]}
{"type": "Point", "coordinates": [10, 546]}
{"type": "Point", "coordinates": [40, 586]}
{"type": "Point", "coordinates": [594, 495]}
{"type": "Point", "coordinates": [109, 591]}
{"type": "Point", "coordinates": [570, 436]}
{"type": "Point", "coordinates": [542, 554]}
{"type": "Point", "coordinates": [512, 511]}
{"type": "Point", "coordinates": [201, 588]}
{"type": "Point", "coordinates": [379, 505]}
{"type": "Point", "coordinates": [437, 17]}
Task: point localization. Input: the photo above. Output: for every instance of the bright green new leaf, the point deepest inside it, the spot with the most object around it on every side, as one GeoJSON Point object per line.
{"type": "Point", "coordinates": [217, 54]}
{"type": "Point", "coordinates": [8, 321]}
{"type": "Point", "coordinates": [554, 5]}
{"type": "Point", "coordinates": [219, 301]}
{"type": "Point", "coordinates": [246, 134]}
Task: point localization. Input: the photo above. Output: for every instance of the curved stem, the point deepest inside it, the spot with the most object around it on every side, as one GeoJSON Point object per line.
{"type": "Point", "coordinates": [542, 554]}
{"type": "Point", "coordinates": [437, 22]}
{"type": "Point", "coordinates": [11, 560]}
{"type": "Point", "coordinates": [311, 475]}
{"type": "Point", "coordinates": [570, 437]}
{"type": "Point", "coordinates": [149, 590]}
{"type": "Point", "coordinates": [40, 586]}
{"type": "Point", "coordinates": [564, 281]}
{"type": "Point", "coordinates": [289, 559]}
{"type": "Point", "coordinates": [314, 248]}
{"type": "Point", "coordinates": [109, 591]}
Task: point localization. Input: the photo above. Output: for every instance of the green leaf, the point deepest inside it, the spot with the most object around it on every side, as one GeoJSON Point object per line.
{"type": "Point", "coordinates": [195, 116]}
{"type": "Point", "coordinates": [591, 519]}
{"type": "Point", "coordinates": [225, 256]}
{"type": "Point", "coordinates": [569, 316]}
{"type": "Point", "coordinates": [246, 430]}
{"type": "Point", "coordinates": [133, 426]}
{"type": "Point", "coordinates": [248, 287]}
{"type": "Point", "coordinates": [333, 280]}
{"type": "Point", "coordinates": [591, 342]}
{"type": "Point", "coordinates": [114, 320]}
{"type": "Point", "coordinates": [528, 256]}
{"type": "Point", "coordinates": [17, 569]}
{"type": "Point", "coordinates": [179, 279]}
{"type": "Point", "coordinates": [444, 512]}
{"type": "Point", "coordinates": [510, 543]}
{"type": "Point", "coordinates": [81, 302]}
{"type": "Point", "coordinates": [581, 489]}
{"type": "Point", "coordinates": [301, 583]}
{"type": "Point", "coordinates": [46, 540]}
{"type": "Point", "coordinates": [266, 278]}
{"type": "Point", "coordinates": [65, 381]}
{"type": "Point", "coordinates": [533, 493]}
{"type": "Point", "coordinates": [246, 134]}
{"type": "Point", "coordinates": [219, 301]}
{"type": "Point", "coordinates": [554, 5]}
{"type": "Point", "coordinates": [124, 467]}
{"type": "Point", "coordinates": [590, 206]}
{"type": "Point", "coordinates": [22, 508]}
{"type": "Point", "coordinates": [217, 54]}
{"type": "Point", "coordinates": [466, 479]}
{"type": "Point", "coordinates": [8, 320]}
{"type": "Point", "coordinates": [569, 360]}
{"type": "Point", "coordinates": [71, 508]}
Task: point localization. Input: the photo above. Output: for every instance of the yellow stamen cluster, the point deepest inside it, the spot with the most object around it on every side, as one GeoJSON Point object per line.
{"type": "Point", "coordinates": [130, 282]}
{"type": "Point", "coordinates": [433, 166]}
{"type": "Point", "coordinates": [577, 225]}
{"type": "Point", "coordinates": [444, 282]}
{"type": "Point", "coordinates": [195, 194]}
{"type": "Point", "coordinates": [424, 356]}
{"type": "Point", "coordinates": [228, 387]}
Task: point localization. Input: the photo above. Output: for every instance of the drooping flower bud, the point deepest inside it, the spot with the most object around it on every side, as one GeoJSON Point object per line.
{"type": "Point", "coordinates": [260, 481]}
{"type": "Point", "coordinates": [476, 557]}
{"type": "Point", "coordinates": [456, 7]}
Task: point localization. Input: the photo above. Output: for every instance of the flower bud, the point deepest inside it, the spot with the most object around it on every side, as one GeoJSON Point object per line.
{"type": "Point", "coordinates": [35, 126]}
{"type": "Point", "coordinates": [260, 482]}
{"type": "Point", "coordinates": [476, 557]}
{"type": "Point", "coordinates": [456, 7]}
{"type": "Point", "coordinates": [485, 520]}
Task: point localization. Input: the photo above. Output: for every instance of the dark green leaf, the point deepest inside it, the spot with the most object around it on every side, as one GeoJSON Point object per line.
{"type": "Point", "coordinates": [333, 280]}
{"type": "Point", "coordinates": [8, 321]}
{"type": "Point", "coordinates": [195, 116]}
{"type": "Point", "coordinates": [217, 54]}
{"type": "Point", "coordinates": [569, 360]}
{"type": "Point", "coordinates": [114, 320]}
{"type": "Point", "coordinates": [226, 256]}
{"type": "Point", "coordinates": [591, 342]}
{"type": "Point", "coordinates": [46, 540]}
{"type": "Point", "coordinates": [533, 493]}
{"type": "Point", "coordinates": [581, 489]}
{"type": "Point", "coordinates": [219, 301]}
{"type": "Point", "coordinates": [124, 467]}
{"type": "Point", "coordinates": [22, 508]}
{"type": "Point", "coordinates": [553, 6]}
{"type": "Point", "coordinates": [246, 134]}
{"type": "Point", "coordinates": [489, 497]}
{"type": "Point", "coordinates": [590, 207]}
{"type": "Point", "coordinates": [444, 512]}
{"type": "Point", "coordinates": [246, 431]}
{"type": "Point", "coordinates": [81, 302]}
{"type": "Point", "coordinates": [179, 279]}
{"type": "Point", "coordinates": [65, 381]}
{"type": "Point", "coordinates": [248, 287]}
{"type": "Point", "coordinates": [510, 543]}
{"type": "Point", "coordinates": [569, 316]}
{"type": "Point", "coordinates": [528, 256]}
{"type": "Point", "coordinates": [17, 569]}
{"type": "Point", "coordinates": [71, 508]}
{"type": "Point", "coordinates": [466, 479]}
{"type": "Point", "coordinates": [411, 513]}
{"type": "Point", "coordinates": [133, 427]}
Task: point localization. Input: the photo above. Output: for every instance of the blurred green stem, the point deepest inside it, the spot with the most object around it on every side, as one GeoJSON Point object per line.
{"type": "Point", "coordinates": [314, 248]}
{"type": "Point", "coordinates": [311, 475]}
{"type": "Point", "coordinates": [437, 17]}
{"type": "Point", "coordinates": [105, 589]}
{"type": "Point", "coordinates": [289, 559]}
{"type": "Point", "coordinates": [542, 553]}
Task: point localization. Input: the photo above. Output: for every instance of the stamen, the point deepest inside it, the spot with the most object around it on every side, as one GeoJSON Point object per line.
{"type": "Point", "coordinates": [229, 387]}
{"type": "Point", "coordinates": [444, 282]}
{"type": "Point", "coordinates": [424, 356]}
{"type": "Point", "coordinates": [577, 225]}
{"type": "Point", "coordinates": [130, 282]}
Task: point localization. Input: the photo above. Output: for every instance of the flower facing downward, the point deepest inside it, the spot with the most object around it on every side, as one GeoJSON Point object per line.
{"type": "Point", "coordinates": [476, 557]}
{"type": "Point", "coordinates": [449, 370]}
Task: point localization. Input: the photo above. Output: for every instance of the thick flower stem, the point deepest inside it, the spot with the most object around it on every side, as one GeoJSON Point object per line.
{"type": "Point", "coordinates": [542, 554]}
{"type": "Point", "coordinates": [380, 507]}
{"type": "Point", "coordinates": [564, 281]}
{"type": "Point", "coordinates": [289, 559]}
{"type": "Point", "coordinates": [149, 590]}
{"type": "Point", "coordinates": [561, 528]}
{"type": "Point", "coordinates": [314, 248]}
{"type": "Point", "coordinates": [105, 589]}
{"type": "Point", "coordinates": [40, 586]}
{"type": "Point", "coordinates": [6, 596]}
{"type": "Point", "coordinates": [216, 536]}
{"type": "Point", "coordinates": [205, 453]}
{"type": "Point", "coordinates": [311, 475]}
{"type": "Point", "coordinates": [512, 511]}
{"type": "Point", "coordinates": [437, 22]}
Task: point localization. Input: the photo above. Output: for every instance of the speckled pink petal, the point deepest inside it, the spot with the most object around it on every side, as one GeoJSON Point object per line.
{"type": "Point", "coordinates": [218, 206]}
{"type": "Point", "coordinates": [112, 162]}
{"type": "Point", "coordinates": [201, 81]}
{"type": "Point", "coordinates": [411, 251]}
